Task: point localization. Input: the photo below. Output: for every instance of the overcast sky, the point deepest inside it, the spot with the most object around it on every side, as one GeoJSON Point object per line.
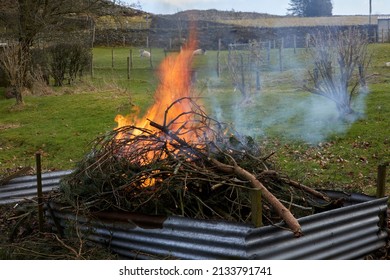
{"type": "Point", "coordinates": [277, 7]}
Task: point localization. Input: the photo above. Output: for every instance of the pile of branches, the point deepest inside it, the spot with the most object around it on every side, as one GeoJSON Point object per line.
{"type": "Point", "coordinates": [213, 176]}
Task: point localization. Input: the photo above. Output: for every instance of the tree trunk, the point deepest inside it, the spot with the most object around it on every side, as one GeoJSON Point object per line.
{"type": "Point", "coordinates": [19, 96]}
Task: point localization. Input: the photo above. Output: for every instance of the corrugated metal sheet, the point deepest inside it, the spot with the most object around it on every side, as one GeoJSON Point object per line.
{"type": "Point", "coordinates": [345, 233]}
{"type": "Point", "coordinates": [349, 232]}
{"type": "Point", "coordinates": [26, 187]}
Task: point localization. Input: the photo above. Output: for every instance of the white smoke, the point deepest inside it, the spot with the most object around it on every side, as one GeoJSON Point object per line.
{"type": "Point", "coordinates": [309, 118]}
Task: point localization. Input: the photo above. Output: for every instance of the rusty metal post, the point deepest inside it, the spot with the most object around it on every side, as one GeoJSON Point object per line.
{"type": "Point", "coordinates": [381, 180]}
{"type": "Point", "coordinates": [39, 190]}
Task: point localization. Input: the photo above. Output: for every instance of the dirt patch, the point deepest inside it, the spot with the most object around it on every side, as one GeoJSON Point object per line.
{"type": "Point", "coordinates": [9, 126]}
{"type": "Point", "coordinates": [20, 238]}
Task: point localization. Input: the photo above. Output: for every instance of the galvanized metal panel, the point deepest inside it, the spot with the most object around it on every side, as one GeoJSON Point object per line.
{"type": "Point", "coordinates": [178, 237]}
{"type": "Point", "coordinates": [25, 187]}
{"type": "Point", "coordinates": [346, 233]}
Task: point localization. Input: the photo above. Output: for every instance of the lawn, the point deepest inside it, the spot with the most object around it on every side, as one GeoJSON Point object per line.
{"type": "Point", "coordinates": [310, 145]}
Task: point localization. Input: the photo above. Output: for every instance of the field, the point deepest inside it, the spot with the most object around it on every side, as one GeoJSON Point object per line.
{"type": "Point", "coordinates": [308, 145]}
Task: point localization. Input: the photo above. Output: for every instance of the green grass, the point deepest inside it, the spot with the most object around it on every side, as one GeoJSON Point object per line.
{"type": "Point", "coordinates": [63, 125]}
{"type": "Point", "coordinates": [60, 126]}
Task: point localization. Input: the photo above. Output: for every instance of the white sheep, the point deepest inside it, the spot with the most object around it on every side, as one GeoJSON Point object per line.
{"type": "Point", "coordinates": [387, 64]}
{"type": "Point", "coordinates": [199, 52]}
{"type": "Point", "coordinates": [144, 53]}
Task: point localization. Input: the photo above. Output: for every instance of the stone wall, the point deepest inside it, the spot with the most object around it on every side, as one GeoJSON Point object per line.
{"type": "Point", "coordinates": [168, 34]}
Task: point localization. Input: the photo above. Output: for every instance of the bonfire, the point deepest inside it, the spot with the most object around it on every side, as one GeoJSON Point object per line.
{"type": "Point", "coordinates": [176, 160]}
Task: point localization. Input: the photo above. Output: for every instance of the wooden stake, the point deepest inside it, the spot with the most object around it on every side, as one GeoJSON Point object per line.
{"type": "Point", "coordinates": [218, 59]}
{"type": "Point", "coordinates": [128, 68]}
{"type": "Point", "coordinates": [295, 44]}
{"type": "Point", "coordinates": [92, 73]}
{"type": "Point", "coordinates": [281, 55]}
{"type": "Point", "coordinates": [381, 180]}
{"type": "Point", "coordinates": [39, 190]}
{"type": "Point", "coordinates": [257, 208]}
{"type": "Point", "coordinates": [112, 58]}
{"type": "Point", "coordinates": [269, 53]}
{"type": "Point", "coordinates": [131, 58]}
{"type": "Point", "coordinates": [150, 58]}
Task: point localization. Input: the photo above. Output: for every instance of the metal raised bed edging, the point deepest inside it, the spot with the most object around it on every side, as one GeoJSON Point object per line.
{"type": "Point", "coordinates": [349, 232]}
{"type": "Point", "coordinates": [25, 187]}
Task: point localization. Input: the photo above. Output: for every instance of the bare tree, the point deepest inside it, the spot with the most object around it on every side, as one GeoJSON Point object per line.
{"type": "Point", "coordinates": [244, 64]}
{"type": "Point", "coordinates": [27, 19]}
{"type": "Point", "coordinates": [14, 64]}
{"type": "Point", "coordinates": [340, 67]}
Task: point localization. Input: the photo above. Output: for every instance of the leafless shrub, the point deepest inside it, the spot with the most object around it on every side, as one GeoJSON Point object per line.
{"type": "Point", "coordinates": [15, 63]}
{"type": "Point", "coordinates": [340, 67]}
{"type": "Point", "coordinates": [244, 64]}
{"type": "Point", "coordinates": [39, 82]}
{"type": "Point", "coordinates": [68, 61]}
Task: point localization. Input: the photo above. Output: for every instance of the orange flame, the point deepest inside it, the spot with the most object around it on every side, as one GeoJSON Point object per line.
{"type": "Point", "coordinates": [175, 83]}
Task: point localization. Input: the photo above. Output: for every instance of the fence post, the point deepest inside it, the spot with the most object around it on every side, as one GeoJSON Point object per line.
{"type": "Point", "coordinates": [128, 67]}
{"type": "Point", "coordinates": [112, 58]}
{"type": "Point", "coordinates": [131, 58]}
{"type": "Point", "coordinates": [256, 208]}
{"type": "Point", "coordinates": [281, 55]}
{"type": "Point", "coordinates": [39, 190]}
{"type": "Point", "coordinates": [92, 73]}
{"type": "Point", "coordinates": [381, 180]}
{"type": "Point", "coordinates": [307, 39]}
{"type": "Point", "coordinates": [258, 83]}
{"type": "Point", "coordinates": [242, 73]}
{"type": "Point", "coordinates": [150, 58]}
{"type": "Point", "coordinates": [218, 58]}
{"type": "Point", "coordinates": [295, 44]}
{"type": "Point", "coordinates": [269, 53]}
